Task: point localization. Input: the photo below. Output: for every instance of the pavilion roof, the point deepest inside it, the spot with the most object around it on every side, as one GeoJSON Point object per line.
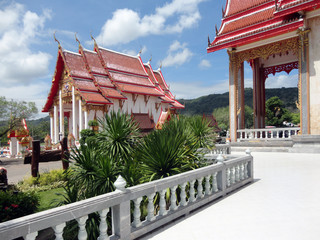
{"type": "Point", "coordinates": [145, 123]}
{"type": "Point", "coordinates": [247, 21]}
{"type": "Point", "coordinates": [103, 74]}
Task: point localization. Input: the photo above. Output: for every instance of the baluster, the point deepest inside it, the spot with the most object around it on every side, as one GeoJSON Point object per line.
{"type": "Point", "coordinates": [214, 182]}
{"type": "Point", "coordinates": [173, 199]}
{"type": "Point", "coordinates": [246, 170]}
{"type": "Point", "coordinates": [183, 195]}
{"type": "Point", "coordinates": [82, 234]}
{"type": "Point", "coordinates": [237, 174]}
{"type": "Point", "coordinates": [150, 216]}
{"type": "Point", "coordinates": [289, 134]}
{"type": "Point", "coordinates": [241, 171]}
{"type": "Point", "coordinates": [31, 236]}
{"type": "Point", "coordinates": [58, 231]}
{"type": "Point", "coordinates": [103, 226]}
{"type": "Point", "coordinates": [207, 186]}
{"type": "Point", "coordinates": [192, 192]}
{"type": "Point", "coordinates": [200, 188]}
{"type": "Point", "coordinates": [162, 203]}
{"type": "Point", "coordinates": [260, 134]}
{"type": "Point", "coordinates": [232, 175]}
{"type": "Point", "coordinates": [266, 133]}
{"type": "Point", "coordinates": [255, 134]}
{"type": "Point", "coordinates": [228, 172]}
{"type": "Point", "coordinates": [277, 133]}
{"type": "Point", "coordinates": [137, 213]}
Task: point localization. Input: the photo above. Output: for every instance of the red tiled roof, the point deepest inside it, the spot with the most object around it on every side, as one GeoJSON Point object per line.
{"type": "Point", "coordinates": [76, 65]}
{"type": "Point", "coordinates": [134, 79]}
{"type": "Point", "coordinates": [166, 99]}
{"type": "Point", "coordinates": [94, 97]}
{"type": "Point", "coordinates": [151, 74]}
{"type": "Point", "coordinates": [144, 121]}
{"type": "Point", "coordinates": [103, 81]}
{"type": "Point", "coordinates": [160, 80]}
{"type": "Point", "coordinates": [122, 62]}
{"type": "Point", "coordinates": [248, 20]}
{"type": "Point", "coordinates": [177, 105]}
{"type": "Point", "coordinates": [85, 84]}
{"type": "Point", "coordinates": [129, 88]}
{"type": "Point", "coordinates": [112, 93]}
{"type": "Point", "coordinates": [237, 6]}
{"type": "Point", "coordinates": [94, 62]}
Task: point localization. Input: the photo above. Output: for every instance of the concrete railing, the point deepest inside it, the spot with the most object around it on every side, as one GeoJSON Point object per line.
{"type": "Point", "coordinates": [188, 191]}
{"type": "Point", "coordinates": [267, 133]}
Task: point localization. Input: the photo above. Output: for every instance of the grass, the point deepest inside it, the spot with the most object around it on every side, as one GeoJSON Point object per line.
{"type": "Point", "coordinates": [48, 197]}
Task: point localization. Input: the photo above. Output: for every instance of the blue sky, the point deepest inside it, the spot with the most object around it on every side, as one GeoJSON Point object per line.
{"type": "Point", "coordinates": [173, 32]}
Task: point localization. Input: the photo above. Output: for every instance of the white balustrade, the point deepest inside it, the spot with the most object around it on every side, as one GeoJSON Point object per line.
{"type": "Point", "coordinates": [200, 188]}
{"type": "Point", "coordinates": [173, 199]}
{"type": "Point", "coordinates": [219, 179]}
{"type": "Point", "coordinates": [151, 216]}
{"type": "Point", "coordinates": [137, 213]}
{"type": "Point", "coordinates": [82, 234]}
{"type": "Point", "coordinates": [183, 195]}
{"type": "Point", "coordinates": [58, 230]}
{"type": "Point", "coordinates": [103, 226]}
{"type": "Point", "coordinates": [269, 133]}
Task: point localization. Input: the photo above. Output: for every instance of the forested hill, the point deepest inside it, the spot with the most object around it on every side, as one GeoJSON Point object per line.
{"type": "Point", "coordinates": [206, 104]}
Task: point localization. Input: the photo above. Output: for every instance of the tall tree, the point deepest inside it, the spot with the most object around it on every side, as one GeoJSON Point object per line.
{"type": "Point", "coordinates": [12, 112]}
{"type": "Point", "coordinates": [276, 113]}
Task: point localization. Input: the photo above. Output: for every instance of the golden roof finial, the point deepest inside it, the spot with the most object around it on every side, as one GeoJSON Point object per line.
{"type": "Point", "coordinates": [150, 60]}
{"type": "Point", "coordinates": [54, 36]}
{"type": "Point", "coordinates": [75, 35]}
{"type": "Point", "coordinates": [95, 43]}
{"type": "Point", "coordinates": [209, 43]}
{"type": "Point", "coordinates": [139, 53]}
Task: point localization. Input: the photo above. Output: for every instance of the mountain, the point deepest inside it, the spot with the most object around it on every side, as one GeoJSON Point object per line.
{"type": "Point", "coordinates": [206, 104]}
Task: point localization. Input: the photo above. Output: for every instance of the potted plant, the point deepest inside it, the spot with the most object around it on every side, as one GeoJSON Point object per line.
{"type": "Point", "coordinates": [94, 125]}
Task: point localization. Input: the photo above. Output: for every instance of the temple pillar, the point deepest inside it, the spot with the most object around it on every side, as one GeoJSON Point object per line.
{"type": "Point", "coordinates": [61, 119]}
{"type": "Point", "coordinates": [51, 125]}
{"type": "Point", "coordinates": [304, 87]}
{"type": "Point", "coordinates": [56, 122]}
{"type": "Point", "coordinates": [80, 118]}
{"type": "Point", "coordinates": [233, 86]}
{"type": "Point", "coordinates": [258, 95]}
{"type": "Point", "coordinates": [74, 129]}
{"type": "Point", "coordinates": [240, 98]}
{"type": "Point", "coordinates": [86, 119]}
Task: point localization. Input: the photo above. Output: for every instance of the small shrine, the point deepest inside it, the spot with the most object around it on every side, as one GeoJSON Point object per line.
{"type": "Point", "coordinates": [19, 139]}
{"type": "Point", "coordinates": [272, 36]}
{"type": "Point", "coordinates": [88, 84]}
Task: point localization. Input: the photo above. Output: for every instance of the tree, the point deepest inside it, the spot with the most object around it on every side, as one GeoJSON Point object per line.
{"type": "Point", "coordinates": [276, 113]}
{"type": "Point", "coordinates": [222, 117]}
{"type": "Point", "coordinates": [12, 112]}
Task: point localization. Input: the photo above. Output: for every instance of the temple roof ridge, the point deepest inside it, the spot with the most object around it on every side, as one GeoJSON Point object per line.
{"type": "Point", "coordinates": [124, 54]}
{"type": "Point", "coordinates": [68, 51]}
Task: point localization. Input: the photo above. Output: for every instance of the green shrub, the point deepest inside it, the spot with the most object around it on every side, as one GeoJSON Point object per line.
{"type": "Point", "coordinates": [45, 181]}
{"type": "Point", "coordinates": [15, 205]}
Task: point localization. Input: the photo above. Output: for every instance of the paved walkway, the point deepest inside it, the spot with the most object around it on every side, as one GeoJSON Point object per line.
{"type": "Point", "coordinates": [17, 170]}
{"type": "Point", "coordinates": [283, 203]}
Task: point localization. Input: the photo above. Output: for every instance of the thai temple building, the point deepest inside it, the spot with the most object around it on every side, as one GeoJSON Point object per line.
{"type": "Point", "coordinates": [88, 84]}
{"type": "Point", "coordinates": [273, 36]}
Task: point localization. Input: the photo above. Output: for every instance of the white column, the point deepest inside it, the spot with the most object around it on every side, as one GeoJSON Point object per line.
{"type": "Point", "coordinates": [74, 129]}
{"type": "Point", "coordinates": [86, 119]}
{"type": "Point", "coordinates": [61, 115]}
{"type": "Point", "coordinates": [80, 118]}
{"type": "Point", "coordinates": [18, 147]}
{"type": "Point", "coordinates": [55, 127]}
{"type": "Point", "coordinates": [51, 126]}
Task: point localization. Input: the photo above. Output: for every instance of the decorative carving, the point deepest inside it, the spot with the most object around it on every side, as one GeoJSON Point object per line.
{"type": "Point", "coordinates": [265, 51]}
{"type": "Point", "coordinates": [157, 105]}
{"type": "Point", "coordinates": [288, 67]}
{"type": "Point", "coordinates": [121, 102]}
{"type": "Point", "coordinates": [134, 98]}
{"type": "Point", "coordinates": [146, 99]}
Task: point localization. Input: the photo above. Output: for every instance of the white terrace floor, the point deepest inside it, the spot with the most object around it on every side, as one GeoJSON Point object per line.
{"type": "Point", "coordinates": [283, 203]}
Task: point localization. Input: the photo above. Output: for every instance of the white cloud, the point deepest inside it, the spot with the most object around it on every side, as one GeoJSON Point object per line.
{"type": "Point", "coordinates": [283, 80]}
{"type": "Point", "coordinates": [127, 25]}
{"type": "Point", "coordinates": [36, 92]}
{"type": "Point", "coordinates": [18, 30]}
{"type": "Point", "coordinates": [204, 64]}
{"type": "Point", "coordinates": [178, 54]}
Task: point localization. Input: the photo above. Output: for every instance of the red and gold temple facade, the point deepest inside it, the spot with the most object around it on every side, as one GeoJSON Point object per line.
{"type": "Point", "coordinates": [88, 84]}
{"type": "Point", "coordinates": [273, 36]}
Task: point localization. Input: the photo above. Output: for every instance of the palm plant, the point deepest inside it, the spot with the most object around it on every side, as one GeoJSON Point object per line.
{"type": "Point", "coordinates": [117, 137]}
{"type": "Point", "coordinates": [202, 131]}
{"type": "Point", "coordinates": [168, 151]}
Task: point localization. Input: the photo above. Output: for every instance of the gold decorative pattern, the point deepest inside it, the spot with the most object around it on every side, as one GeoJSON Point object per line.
{"type": "Point", "coordinates": [265, 51]}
